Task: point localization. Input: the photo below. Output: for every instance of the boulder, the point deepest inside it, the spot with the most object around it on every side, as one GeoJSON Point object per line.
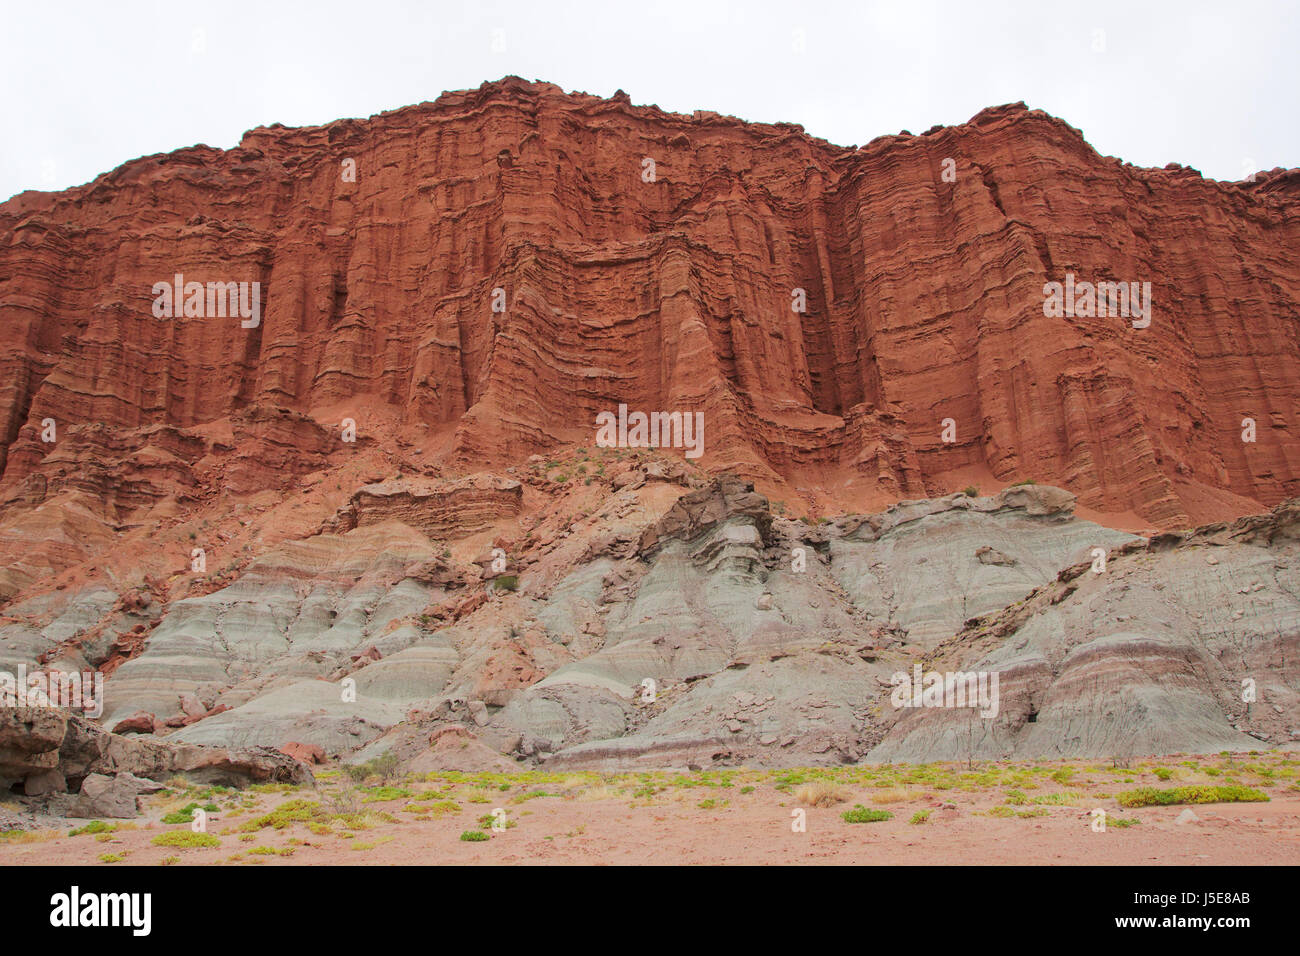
{"type": "Point", "coordinates": [307, 753]}
{"type": "Point", "coordinates": [102, 796]}
{"type": "Point", "coordinates": [141, 722]}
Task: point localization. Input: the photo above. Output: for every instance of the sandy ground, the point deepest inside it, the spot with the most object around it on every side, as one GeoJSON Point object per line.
{"type": "Point", "coordinates": [711, 819]}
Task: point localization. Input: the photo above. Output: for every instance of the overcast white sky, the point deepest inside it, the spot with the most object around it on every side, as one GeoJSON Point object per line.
{"type": "Point", "coordinates": [90, 85]}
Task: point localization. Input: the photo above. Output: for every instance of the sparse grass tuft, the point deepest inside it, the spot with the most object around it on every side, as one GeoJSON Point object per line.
{"type": "Point", "coordinates": [820, 793]}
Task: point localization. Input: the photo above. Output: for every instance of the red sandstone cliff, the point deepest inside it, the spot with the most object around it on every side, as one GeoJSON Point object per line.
{"type": "Point", "coordinates": [924, 303]}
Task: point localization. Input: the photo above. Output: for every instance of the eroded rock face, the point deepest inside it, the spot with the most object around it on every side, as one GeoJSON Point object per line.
{"type": "Point", "coordinates": [440, 509]}
{"type": "Point", "coordinates": [1187, 643]}
{"type": "Point", "coordinates": [38, 744]}
{"type": "Point", "coordinates": [754, 657]}
{"type": "Point", "coordinates": [924, 302]}
{"type": "Point", "coordinates": [651, 624]}
{"type": "Point", "coordinates": [261, 661]}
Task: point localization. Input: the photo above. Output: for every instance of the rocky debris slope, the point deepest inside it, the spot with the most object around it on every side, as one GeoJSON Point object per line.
{"type": "Point", "coordinates": [259, 660]}
{"type": "Point", "coordinates": [766, 640]}
{"type": "Point", "coordinates": [650, 615]}
{"type": "Point", "coordinates": [80, 770]}
{"type": "Point", "coordinates": [1187, 643]}
{"type": "Point", "coordinates": [919, 263]}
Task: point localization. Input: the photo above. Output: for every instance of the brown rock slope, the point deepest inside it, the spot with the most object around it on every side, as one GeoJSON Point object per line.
{"type": "Point", "coordinates": [671, 292]}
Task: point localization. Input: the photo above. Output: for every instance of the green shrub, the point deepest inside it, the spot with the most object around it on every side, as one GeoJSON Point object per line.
{"type": "Point", "coordinates": [860, 814]}
{"type": "Point", "coordinates": [474, 836]}
{"type": "Point", "coordinates": [286, 814]}
{"type": "Point", "coordinates": [382, 794]}
{"type": "Point", "coordinates": [186, 840]}
{"type": "Point", "coordinates": [385, 767]}
{"type": "Point", "coordinates": [438, 808]}
{"type": "Point", "coordinates": [1151, 797]}
{"type": "Point", "coordinates": [186, 813]}
{"type": "Point", "coordinates": [920, 816]}
{"type": "Point", "coordinates": [970, 491]}
{"type": "Point", "coordinates": [94, 826]}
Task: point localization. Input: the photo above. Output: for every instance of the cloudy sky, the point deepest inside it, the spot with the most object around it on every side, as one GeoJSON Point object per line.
{"type": "Point", "coordinates": [91, 85]}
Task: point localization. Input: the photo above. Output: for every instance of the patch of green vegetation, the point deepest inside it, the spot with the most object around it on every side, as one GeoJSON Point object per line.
{"type": "Point", "coordinates": [1063, 798]}
{"type": "Point", "coordinates": [920, 816]}
{"type": "Point", "coordinates": [1151, 797]}
{"type": "Point", "coordinates": [1000, 811]}
{"type": "Point", "coordinates": [1016, 798]}
{"type": "Point", "coordinates": [94, 826]}
{"type": "Point", "coordinates": [385, 767]}
{"type": "Point", "coordinates": [1163, 773]}
{"type": "Point", "coordinates": [474, 836]}
{"type": "Point", "coordinates": [169, 861]}
{"type": "Point", "coordinates": [861, 814]}
{"type": "Point", "coordinates": [287, 814]}
{"type": "Point", "coordinates": [186, 840]}
{"type": "Point", "coordinates": [272, 788]}
{"type": "Point", "coordinates": [112, 857]}
{"type": "Point", "coordinates": [438, 809]}
{"type": "Point", "coordinates": [386, 793]}
{"type": "Point", "coordinates": [1122, 824]}
{"type": "Point", "coordinates": [186, 813]}
{"type": "Point", "coordinates": [507, 582]}
{"type": "Point", "coordinates": [712, 803]}
{"type": "Point", "coordinates": [272, 851]}
{"type": "Point", "coordinates": [747, 789]}
{"type": "Point", "coordinates": [534, 795]}
{"type": "Point", "coordinates": [364, 819]}
{"type": "Point", "coordinates": [970, 491]}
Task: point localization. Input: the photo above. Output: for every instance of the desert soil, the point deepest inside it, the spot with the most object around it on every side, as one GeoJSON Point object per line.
{"type": "Point", "coordinates": [1027, 813]}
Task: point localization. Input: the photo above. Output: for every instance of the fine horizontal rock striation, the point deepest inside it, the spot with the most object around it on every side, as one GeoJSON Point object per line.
{"type": "Point", "coordinates": [1186, 643]}
{"type": "Point", "coordinates": [439, 509]}
{"type": "Point", "coordinates": [379, 246]}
